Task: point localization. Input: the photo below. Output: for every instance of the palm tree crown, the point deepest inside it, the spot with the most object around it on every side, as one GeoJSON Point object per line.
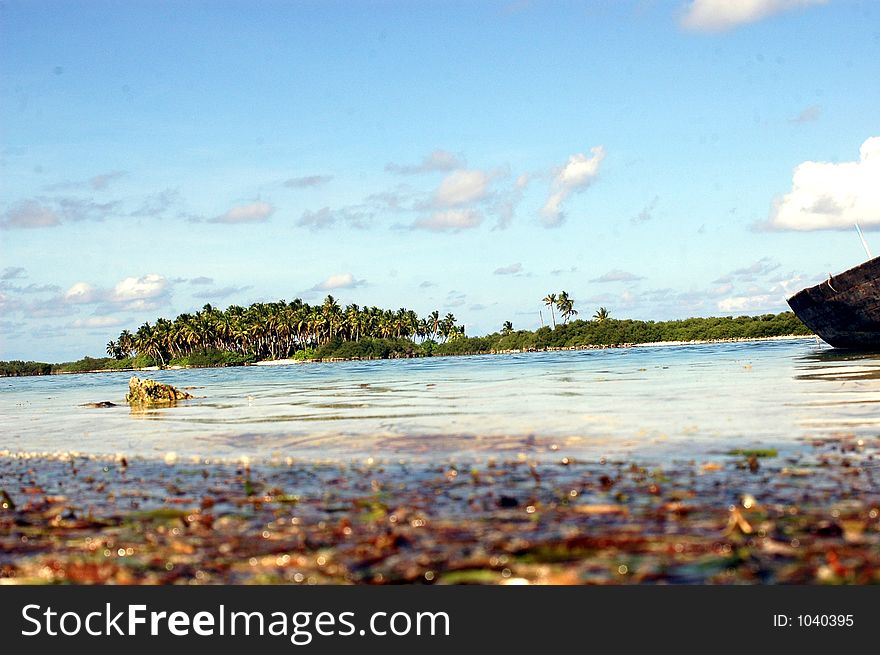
{"type": "Point", "coordinates": [550, 301]}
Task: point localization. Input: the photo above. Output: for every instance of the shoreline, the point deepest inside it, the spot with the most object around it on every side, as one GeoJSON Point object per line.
{"type": "Point", "coordinates": [290, 361]}
{"type": "Point", "coordinates": [729, 518]}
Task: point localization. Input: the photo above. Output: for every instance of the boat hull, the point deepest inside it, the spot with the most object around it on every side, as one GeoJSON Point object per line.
{"type": "Point", "coordinates": [845, 309]}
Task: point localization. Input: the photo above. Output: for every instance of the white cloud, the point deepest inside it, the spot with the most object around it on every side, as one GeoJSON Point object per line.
{"type": "Point", "coordinates": [750, 303]}
{"type": "Point", "coordinates": [451, 220]}
{"type": "Point", "coordinates": [255, 212]}
{"type": "Point", "coordinates": [438, 160]}
{"type": "Point", "coordinates": [97, 322]}
{"type": "Point", "coordinates": [139, 288]}
{"type": "Point", "coordinates": [832, 196]}
{"type": "Point", "coordinates": [82, 293]}
{"type": "Point", "coordinates": [574, 177]}
{"type": "Point", "coordinates": [720, 15]}
{"type": "Point", "coordinates": [461, 187]}
{"type": "Point", "coordinates": [339, 281]}
{"type": "Point", "coordinates": [131, 293]}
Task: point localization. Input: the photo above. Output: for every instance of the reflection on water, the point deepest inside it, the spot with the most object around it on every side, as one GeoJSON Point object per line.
{"type": "Point", "coordinates": [674, 400]}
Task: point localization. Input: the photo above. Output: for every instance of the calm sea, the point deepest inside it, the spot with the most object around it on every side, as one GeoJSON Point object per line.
{"type": "Point", "coordinates": [666, 401]}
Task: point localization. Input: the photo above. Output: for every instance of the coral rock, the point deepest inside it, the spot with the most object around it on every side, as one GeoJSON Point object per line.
{"type": "Point", "coordinates": [150, 392]}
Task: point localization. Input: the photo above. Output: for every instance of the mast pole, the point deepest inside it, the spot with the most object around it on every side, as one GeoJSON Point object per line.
{"type": "Point", "coordinates": [864, 243]}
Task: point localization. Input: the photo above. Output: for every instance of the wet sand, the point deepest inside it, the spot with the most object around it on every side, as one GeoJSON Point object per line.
{"type": "Point", "coordinates": [746, 517]}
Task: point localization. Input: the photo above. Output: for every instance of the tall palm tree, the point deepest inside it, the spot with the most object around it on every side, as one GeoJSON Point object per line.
{"type": "Point", "coordinates": [447, 326]}
{"type": "Point", "coordinates": [550, 301]}
{"type": "Point", "coordinates": [506, 328]}
{"type": "Point", "coordinates": [601, 314]}
{"type": "Point", "coordinates": [566, 306]}
{"type": "Point", "coordinates": [434, 322]}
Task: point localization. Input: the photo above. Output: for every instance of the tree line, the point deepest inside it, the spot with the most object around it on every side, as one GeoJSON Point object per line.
{"type": "Point", "coordinates": [239, 335]}
{"type": "Point", "coordinates": [277, 330]}
{"type": "Point", "coordinates": [603, 330]}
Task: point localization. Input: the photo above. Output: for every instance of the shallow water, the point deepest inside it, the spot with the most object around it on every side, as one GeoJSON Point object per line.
{"type": "Point", "coordinates": [661, 401]}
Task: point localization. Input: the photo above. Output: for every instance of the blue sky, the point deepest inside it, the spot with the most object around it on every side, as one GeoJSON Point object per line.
{"type": "Point", "coordinates": [662, 159]}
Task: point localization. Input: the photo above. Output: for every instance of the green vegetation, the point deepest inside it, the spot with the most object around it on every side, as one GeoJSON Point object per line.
{"type": "Point", "coordinates": [101, 364]}
{"type": "Point", "coordinates": [280, 329]}
{"type": "Point", "coordinates": [212, 358]}
{"type": "Point", "coordinates": [767, 452]}
{"type": "Point", "coordinates": [17, 368]}
{"type": "Point", "coordinates": [598, 332]}
{"type": "Point", "coordinates": [606, 331]}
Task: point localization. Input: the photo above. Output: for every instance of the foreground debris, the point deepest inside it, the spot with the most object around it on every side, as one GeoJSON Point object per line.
{"type": "Point", "coordinates": [812, 518]}
{"type": "Point", "coordinates": [149, 392]}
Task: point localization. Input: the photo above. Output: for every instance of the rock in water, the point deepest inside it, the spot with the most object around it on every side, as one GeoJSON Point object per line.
{"type": "Point", "coordinates": [150, 392]}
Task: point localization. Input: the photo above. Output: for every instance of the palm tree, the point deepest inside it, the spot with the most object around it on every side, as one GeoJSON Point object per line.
{"type": "Point", "coordinates": [566, 306]}
{"type": "Point", "coordinates": [434, 323]}
{"type": "Point", "coordinates": [601, 314]}
{"type": "Point", "coordinates": [447, 326]}
{"type": "Point", "coordinates": [550, 301]}
{"type": "Point", "coordinates": [506, 328]}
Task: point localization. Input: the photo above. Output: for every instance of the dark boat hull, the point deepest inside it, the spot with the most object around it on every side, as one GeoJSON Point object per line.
{"type": "Point", "coordinates": [845, 309]}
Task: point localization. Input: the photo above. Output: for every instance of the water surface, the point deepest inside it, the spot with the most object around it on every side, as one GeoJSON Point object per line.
{"type": "Point", "coordinates": [661, 401]}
